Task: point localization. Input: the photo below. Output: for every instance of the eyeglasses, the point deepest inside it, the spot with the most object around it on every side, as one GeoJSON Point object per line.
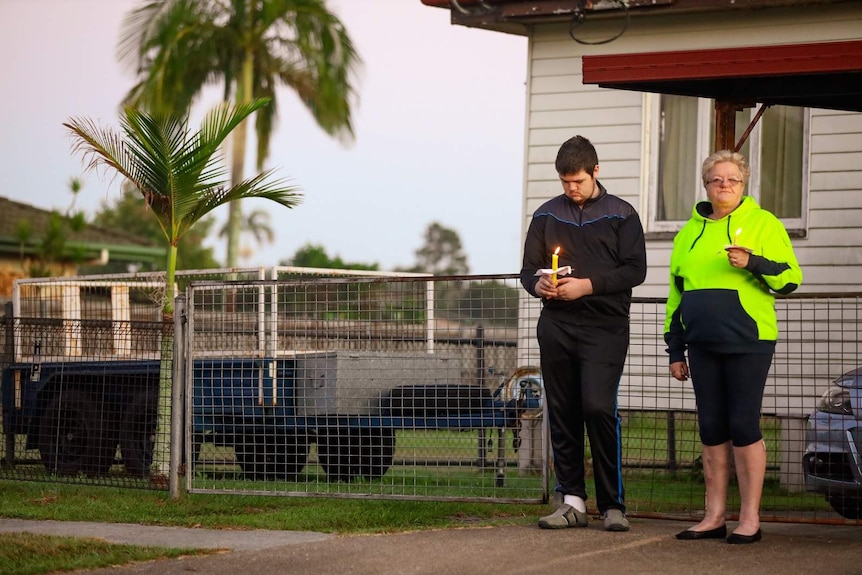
{"type": "Point", "coordinates": [732, 182]}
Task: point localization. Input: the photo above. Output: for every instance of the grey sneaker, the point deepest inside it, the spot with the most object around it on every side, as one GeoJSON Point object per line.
{"type": "Point", "coordinates": [615, 520]}
{"type": "Point", "coordinates": [565, 516]}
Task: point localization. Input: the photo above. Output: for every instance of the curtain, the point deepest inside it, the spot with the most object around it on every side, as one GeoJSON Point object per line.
{"type": "Point", "coordinates": [781, 161]}
{"type": "Point", "coordinates": [677, 180]}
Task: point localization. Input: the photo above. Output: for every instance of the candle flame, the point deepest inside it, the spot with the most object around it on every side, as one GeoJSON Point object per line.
{"type": "Point", "coordinates": [557, 251]}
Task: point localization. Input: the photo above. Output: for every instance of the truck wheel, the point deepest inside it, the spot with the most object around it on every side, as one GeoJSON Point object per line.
{"type": "Point", "coordinates": [272, 456]}
{"type": "Point", "coordinates": [138, 436]}
{"type": "Point", "coordinates": [290, 453]}
{"type": "Point", "coordinates": [70, 441]}
{"type": "Point", "coordinates": [377, 451]}
{"type": "Point", "coordinates": [340, 453]}
{"type": "Point", "coordinates": [846, 506]}
{"type": "Point", "coordinates": [251, 454]}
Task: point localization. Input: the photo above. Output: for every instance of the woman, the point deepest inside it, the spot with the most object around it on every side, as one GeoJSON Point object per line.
{"type": "Point", "coordinates": [727, 262]}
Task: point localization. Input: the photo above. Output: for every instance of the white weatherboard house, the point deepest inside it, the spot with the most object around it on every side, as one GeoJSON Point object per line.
{"type": "Point", "coordinates": [657, 85]}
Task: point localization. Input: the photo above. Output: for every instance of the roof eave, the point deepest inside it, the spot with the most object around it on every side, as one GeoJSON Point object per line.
{"type": "Point", "coordinates": [514, 16]}
{"type": "Point", "coordinates": [90, 250]}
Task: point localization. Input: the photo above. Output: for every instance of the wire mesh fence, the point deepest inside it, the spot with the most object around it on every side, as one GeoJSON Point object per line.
{"type": "Point", "coordinates": [404, 387]}
{"type": "Point", "coordinates": [83, 359]}
{"type": "Point", "coordinates": [303, 383]}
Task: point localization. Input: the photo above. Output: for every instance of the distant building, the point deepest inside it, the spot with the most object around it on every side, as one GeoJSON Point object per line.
{"type": "Point", "coordinates": [88, 250]}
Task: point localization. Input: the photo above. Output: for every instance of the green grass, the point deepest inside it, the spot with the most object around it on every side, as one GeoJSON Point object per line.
{"type": "Point", "coordinates": [75, 502]}
{"type": "Point", "coordinates": [33, 554]}
{"type": "Point", "coordinates": [67, 502]}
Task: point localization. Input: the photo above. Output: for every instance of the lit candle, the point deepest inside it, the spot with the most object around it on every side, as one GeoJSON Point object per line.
{"type": "Point", "coordinates": [555, 263]}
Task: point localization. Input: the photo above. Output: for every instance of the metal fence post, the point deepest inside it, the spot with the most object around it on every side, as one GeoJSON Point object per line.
{"type": "Point", "coordinates": [671, 440]}
{"type": "Point", "coordinates": [9, 357]}
{"type": "Point", "coordinates": [177, 395]}
{"type": "Point", "coordinates": [479, 343]}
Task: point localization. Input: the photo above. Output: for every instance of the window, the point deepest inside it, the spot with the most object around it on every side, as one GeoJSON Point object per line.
{"type": "Point", "coordinates": [682, 135]}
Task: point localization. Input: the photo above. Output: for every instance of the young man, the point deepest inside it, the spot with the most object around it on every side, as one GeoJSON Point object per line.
{"type": "Point", "coordinates": [583, 329]}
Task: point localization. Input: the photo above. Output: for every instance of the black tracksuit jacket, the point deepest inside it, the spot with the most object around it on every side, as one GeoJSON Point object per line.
{"type": "Point", "coordinates": [604, 241]}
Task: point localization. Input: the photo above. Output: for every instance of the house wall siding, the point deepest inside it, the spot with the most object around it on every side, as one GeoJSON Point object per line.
{"type": "Point", "coordinates": [559, 106]}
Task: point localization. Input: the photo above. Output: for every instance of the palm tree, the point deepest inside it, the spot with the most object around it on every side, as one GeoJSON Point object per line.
{"type": "Point", "coordinates": [181, 180]}
{"type": "Point", "coordinates": [251, 46]}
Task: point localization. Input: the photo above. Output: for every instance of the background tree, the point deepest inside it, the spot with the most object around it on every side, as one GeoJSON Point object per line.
{"type": "Point", "coordinates": [315, 256]}
{"type": "Point", "coordinates": [180, 180]}
{"type": "Point", "coordinates": [256, 224]}
{"type": "Point", "coordinates": [51, 246]}
{"type": "Point", "coordinates": [441, 253]}
{"type": "Point", "coordinates": [490, 303]}
{"type": "Point", "coordinates": [128, 213]}
{"type": "Point", "coordinates": [250, 46]}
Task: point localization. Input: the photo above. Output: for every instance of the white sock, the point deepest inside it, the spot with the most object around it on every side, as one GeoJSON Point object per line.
{"type": "Point", "coordinates": [575, 502]}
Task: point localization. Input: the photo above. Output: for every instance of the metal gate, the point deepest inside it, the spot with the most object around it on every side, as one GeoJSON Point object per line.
{"type": "Point", "coordinates": [411, 387]}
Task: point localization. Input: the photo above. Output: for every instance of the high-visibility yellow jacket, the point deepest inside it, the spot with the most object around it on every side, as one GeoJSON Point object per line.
{"type": "Point", "coordinates": [713, 303]}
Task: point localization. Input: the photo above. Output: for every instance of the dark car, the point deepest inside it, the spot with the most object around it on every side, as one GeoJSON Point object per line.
{"type": "Point", "coordinates": [833, 455]}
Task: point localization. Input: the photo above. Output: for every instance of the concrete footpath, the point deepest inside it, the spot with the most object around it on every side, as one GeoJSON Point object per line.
{"type": "Point", "coordinates": [649, 547]}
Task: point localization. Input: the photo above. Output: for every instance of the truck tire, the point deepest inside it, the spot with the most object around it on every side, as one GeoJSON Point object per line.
{"type": "Point", "coordinates": [339, 450]}
{"type": "Point", "coordinates": [377, 450]}
{"type": "Point", "coordinates": [272, 456]}
{"type": "Point", "coordinates": [346, 453]}
{"type": "Point", "coordinates": [290, 454]}
{"type": "Point", "coordinates": [138, 435]}
{"type": "Point", "coordinates": [70, 435]}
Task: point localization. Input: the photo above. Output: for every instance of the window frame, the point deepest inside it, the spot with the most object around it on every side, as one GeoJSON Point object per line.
{"type": "Point", "coordinates": [704, 143]}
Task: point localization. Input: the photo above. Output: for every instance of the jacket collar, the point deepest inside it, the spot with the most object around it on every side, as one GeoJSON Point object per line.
{"type": "Point", "coordinates": [702, 209]}
{"type": "Point", "coordinates": [602, 193]}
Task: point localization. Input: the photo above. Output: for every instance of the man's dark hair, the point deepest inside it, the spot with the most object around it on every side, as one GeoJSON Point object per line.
{"type": "Point", "coordinates": [576, 154]}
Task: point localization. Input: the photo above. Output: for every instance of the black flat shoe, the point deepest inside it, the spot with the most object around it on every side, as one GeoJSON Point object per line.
{"type": "Point", "coordinates": [690, 535]}
{"type": "Point", "coordinates": [737, 539]}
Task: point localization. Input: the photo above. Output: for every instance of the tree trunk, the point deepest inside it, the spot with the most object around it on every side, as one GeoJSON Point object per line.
{"type": "Point", "coordinates": [160, 471]}
{"type": "Point", "coordinates": [234, 223]}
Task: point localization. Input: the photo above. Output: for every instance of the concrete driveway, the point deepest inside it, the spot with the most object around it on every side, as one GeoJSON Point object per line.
{"type": "Point", "coordinates": [648, 548]}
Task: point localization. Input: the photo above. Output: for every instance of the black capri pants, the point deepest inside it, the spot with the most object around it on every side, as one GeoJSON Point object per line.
{"type": "Point", "coordinates": [728, 388]}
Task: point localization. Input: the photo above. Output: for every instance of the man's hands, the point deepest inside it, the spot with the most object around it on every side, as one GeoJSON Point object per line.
{"type": "Point", "coordinates": [567, 289]}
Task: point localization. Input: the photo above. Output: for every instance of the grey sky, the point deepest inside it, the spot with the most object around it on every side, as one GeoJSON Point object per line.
{"type": "Point", "coordinates": [439, 130]}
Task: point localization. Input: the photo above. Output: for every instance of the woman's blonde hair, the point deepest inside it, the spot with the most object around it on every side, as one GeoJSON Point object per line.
{"type": "Point", "coordinates": [726, 156]}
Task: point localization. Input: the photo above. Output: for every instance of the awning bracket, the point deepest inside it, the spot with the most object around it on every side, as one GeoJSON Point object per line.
{"type": "Point", "coordinates": [751, 126]}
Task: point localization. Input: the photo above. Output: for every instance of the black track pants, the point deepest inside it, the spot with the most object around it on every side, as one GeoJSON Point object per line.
{"type": "Point", "coordinates": [581, 368]}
